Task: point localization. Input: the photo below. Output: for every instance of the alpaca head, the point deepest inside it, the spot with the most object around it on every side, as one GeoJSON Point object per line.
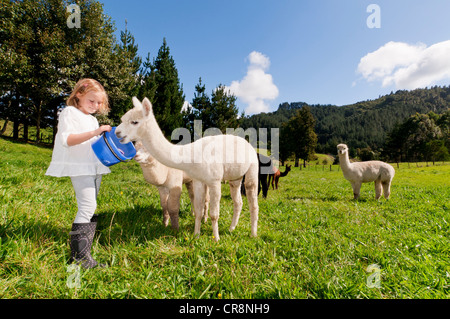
{"type": "Point", "coordinates": [128, 130]}
{"type": "Point", "coordinates": [342, 149]}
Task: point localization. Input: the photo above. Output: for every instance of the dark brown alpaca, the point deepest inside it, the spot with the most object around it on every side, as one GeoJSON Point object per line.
{"type": "Point", "coordinates": [275, 177]}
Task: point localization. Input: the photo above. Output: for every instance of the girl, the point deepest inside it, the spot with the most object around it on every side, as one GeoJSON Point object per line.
{"type": "Point", "coordinates": [73, 156]}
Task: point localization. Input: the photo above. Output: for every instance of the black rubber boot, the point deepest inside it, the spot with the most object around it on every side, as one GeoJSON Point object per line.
{"type": "Point", "coordinates": [81, 238]}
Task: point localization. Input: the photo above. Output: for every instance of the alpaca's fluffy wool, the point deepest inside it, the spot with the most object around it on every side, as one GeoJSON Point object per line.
{"type": "Point", "coordinates": [363, 172]}
{"type": "Point", "coordinates": [208, 161]}
{"type": "Point", "coordinates": [169, 182]}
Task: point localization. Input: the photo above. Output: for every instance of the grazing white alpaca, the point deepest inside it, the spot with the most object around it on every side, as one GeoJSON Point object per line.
{"type": "Point", "coordinates": [169, 182]}
{"type": "Point", "coordinates": [363, 172]}
{"type": "Point", "coordinates": [208, 161]}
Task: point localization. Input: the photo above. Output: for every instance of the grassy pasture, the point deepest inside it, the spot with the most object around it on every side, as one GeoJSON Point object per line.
{"type": "Point", "coordinates": [314, 240]}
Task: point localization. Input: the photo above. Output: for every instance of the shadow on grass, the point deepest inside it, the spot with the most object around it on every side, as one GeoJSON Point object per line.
{"type": "Point", "coordinates": [137, 224]}
{"type": "Point", "coordinates": [28, 142]}
{"type": "Point", "coordinates": [32, 230]}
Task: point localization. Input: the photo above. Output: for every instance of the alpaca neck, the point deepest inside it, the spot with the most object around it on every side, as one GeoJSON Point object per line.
{"type": "Point", "coordinates": [344, 162]}
{"type": "Point", "coordinates": [154, 172]}
{"type": "Point", "coordinates": [156, 143]}
{"type": "Point", "coordinates": [284, 173]}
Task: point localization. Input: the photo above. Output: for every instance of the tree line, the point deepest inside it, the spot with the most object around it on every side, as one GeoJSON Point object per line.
{"type": "Point", "coordinates": [41, 59]}
{"type": "Point", "coordinates": [421, 137]}
{"type": "Point", "coordinates": [370, 128]}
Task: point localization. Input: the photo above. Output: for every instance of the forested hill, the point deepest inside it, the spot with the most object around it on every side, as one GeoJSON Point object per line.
{"type": "Point", "coordinates": [363, 124]}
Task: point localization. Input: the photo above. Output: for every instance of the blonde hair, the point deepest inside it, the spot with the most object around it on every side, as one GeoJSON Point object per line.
{"type": "Point", "coordinates": [84, 86]}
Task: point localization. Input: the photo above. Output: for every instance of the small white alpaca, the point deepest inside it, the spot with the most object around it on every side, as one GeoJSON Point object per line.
{"type": "Point", "coordinates": [169, 182]}
{"type": "Point", "coordinates": [364, 172]}
{"type": "Point", "coordinates": [209, 161]}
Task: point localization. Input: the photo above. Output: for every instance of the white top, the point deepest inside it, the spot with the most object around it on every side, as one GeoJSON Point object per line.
{"type": "Point", "coordinates": [79, 159]}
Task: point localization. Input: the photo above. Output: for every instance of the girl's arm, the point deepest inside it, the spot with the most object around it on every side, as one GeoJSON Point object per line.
{"type": "Point", "coordinates": [75, 139]}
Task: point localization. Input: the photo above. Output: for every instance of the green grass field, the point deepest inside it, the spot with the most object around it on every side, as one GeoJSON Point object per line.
{"type": "Point", "coordinates": [314, 240]}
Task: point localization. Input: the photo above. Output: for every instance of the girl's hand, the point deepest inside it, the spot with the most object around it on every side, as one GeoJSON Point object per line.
{"type": "Point", "coordinates": [75, 139]}
{"type": "Point", "coordinates": [103, 128]}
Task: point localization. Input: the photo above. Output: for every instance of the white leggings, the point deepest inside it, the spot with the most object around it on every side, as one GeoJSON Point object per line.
{"type": "Point", "coordinates": [86, 190]}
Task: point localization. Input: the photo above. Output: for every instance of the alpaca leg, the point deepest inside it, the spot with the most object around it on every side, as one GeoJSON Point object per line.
{"type": "Point", "coordinates": [259, 184]}
{"type": "Point", "coordinates": [265, 186]}
{"type": "Point", "coordinates": [251, 188]}
{"type": "Point", "coordinates": [276, 182]}
{"type": "Point", "coordinates": [387, 189]}
{"type": "Point", "coordinates": [377, 189]}
{"type": "Point", "coordinates": [206, 205]}
{"type": "Point", "coordinates": [199, 202]}
{"type": "Point", "coordinates": [237, 202]}
{"type": "Point", "coordinates": [252, 198]}
{"type": "Point", "coordinates": [163, 197]}
{"type": "Point", "coordinates": [214, 209]}
{"type": "Point", "coordinates": [356, 189]}
{"type": "Point", "coordinates": [190, 189]}
{"type": "Point", "coordinates": [173, 206]}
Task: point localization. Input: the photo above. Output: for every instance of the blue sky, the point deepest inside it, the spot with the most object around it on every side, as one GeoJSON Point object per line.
{"type": "Point", "coordinates": [269, 52]}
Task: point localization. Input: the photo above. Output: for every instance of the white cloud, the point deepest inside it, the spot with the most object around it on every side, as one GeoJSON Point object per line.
{"type": "Point", "coordinates": [257, 87]}
{"type": "Point", "coordinates": [407, 66]}
{"type": "Point", "coordinates": [258, 60]}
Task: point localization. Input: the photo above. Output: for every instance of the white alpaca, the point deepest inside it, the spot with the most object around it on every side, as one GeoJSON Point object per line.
{"type": "Point", "coordinates": [169, 182]}
{"type": "Point", "coordinates": [363, 172]}
{"type": "Point", "coordinates": [208, 161]}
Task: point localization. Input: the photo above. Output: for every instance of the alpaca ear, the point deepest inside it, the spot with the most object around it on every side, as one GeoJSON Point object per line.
{"type": "Point", "coordinates": [147, 105]}
{"type": "Point", "coordinates": [137, 104]}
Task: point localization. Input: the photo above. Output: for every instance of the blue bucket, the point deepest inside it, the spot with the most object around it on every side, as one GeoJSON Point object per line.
{"type": "Point", "coordinates": [110, 151]}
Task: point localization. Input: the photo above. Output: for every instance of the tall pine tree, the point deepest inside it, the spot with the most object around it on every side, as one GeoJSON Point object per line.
{"type": "Point", "coordinates": [199, 109]}
{"type": "Point", "coordinates": [127, 76]}
{"type": "Point", "coordinates": [298, 137]}
{"type": "Point", "coordinates": [224, 110]}
{"type": "Point", "coordinates": [147, 87]}
{"type": "Point", "coordinates": [219, 111]}
{"type": "Point", "coordinates": [169, 97]}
